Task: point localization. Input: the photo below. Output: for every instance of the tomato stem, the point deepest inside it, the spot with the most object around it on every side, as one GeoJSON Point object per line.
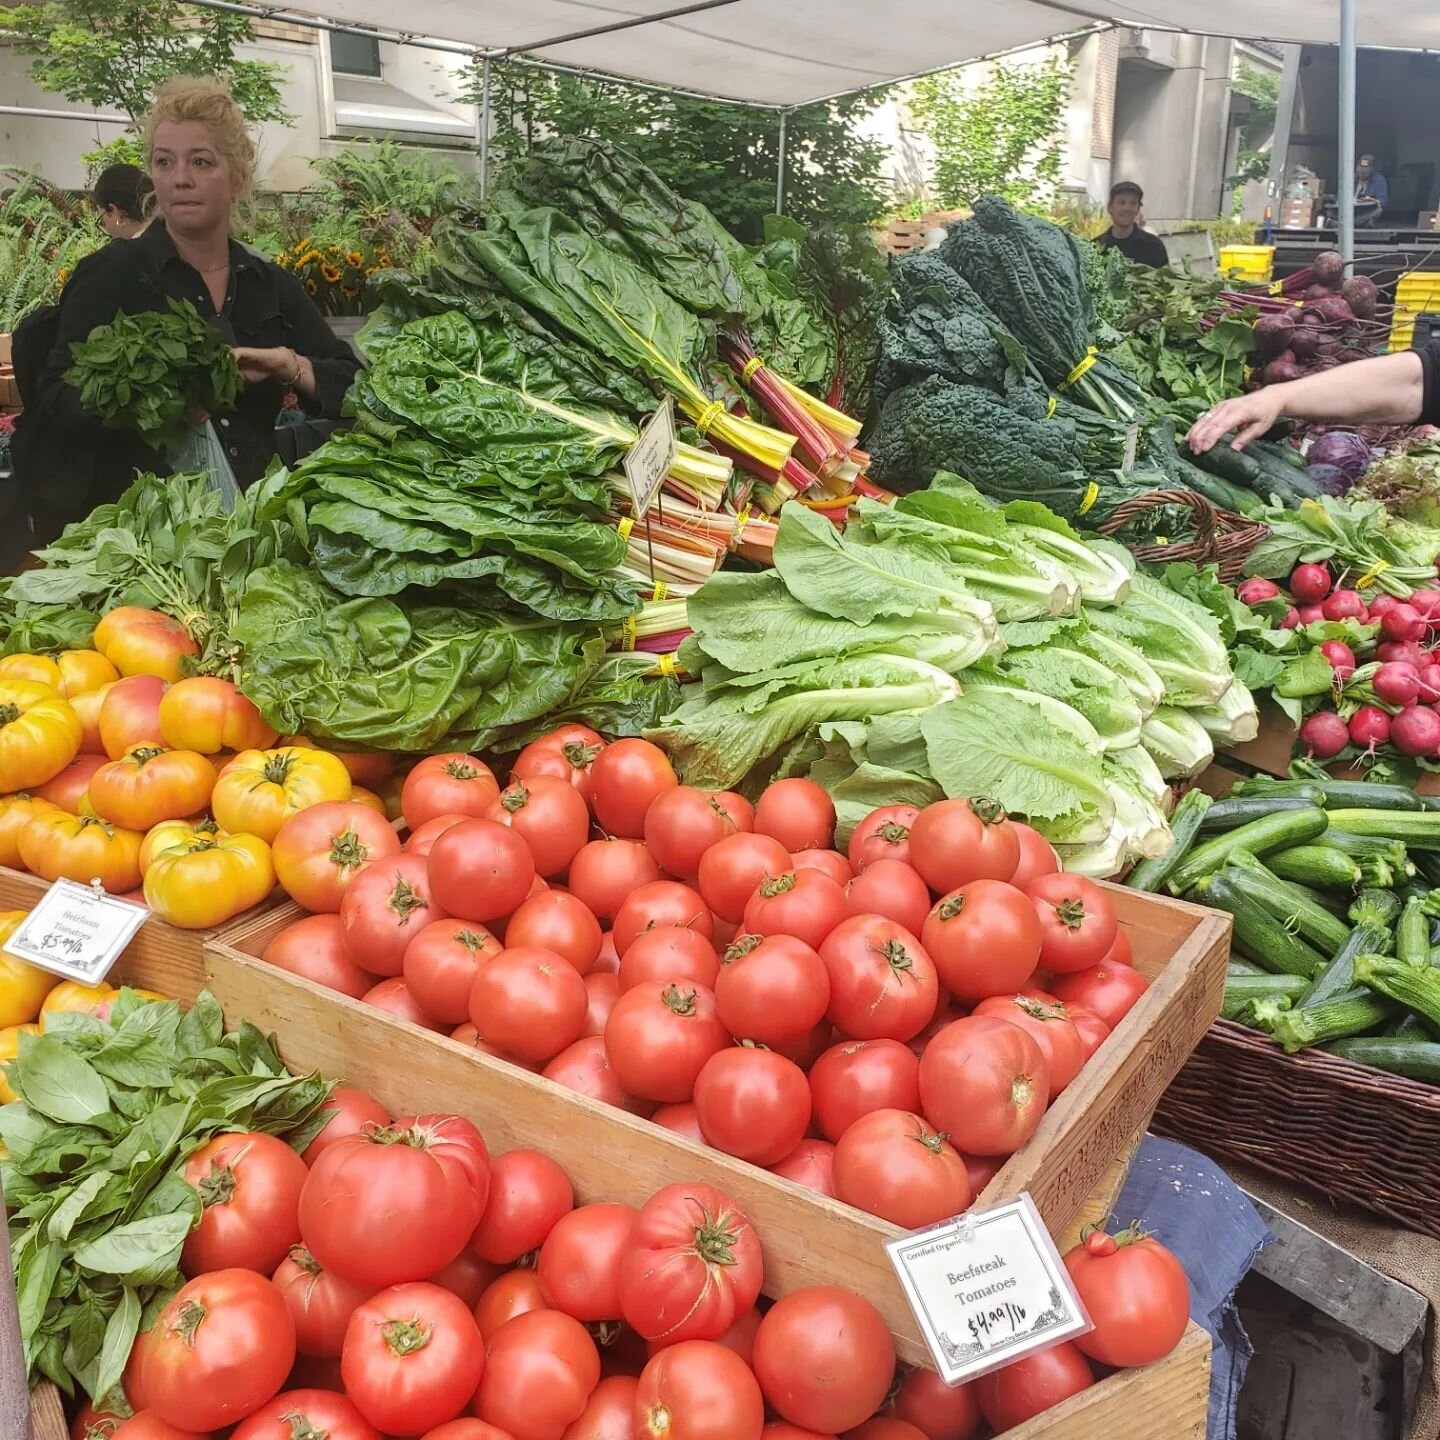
{"type": "Point", "coordinates": [405, 899]}
{"type": "Point", "coordinates": [893, 834]}
{"type": "Point", "coordinates": [461, 770]}
{"type": "Point", "coordinates": [773, 885]}
{"type": "Point", "coordinates": [143, 754]}
{"type": "Point", "coordinates": [188, 1319]}
{"type": "Point", "coordinates": [301, 1428]}
{"type": "Point", "coordinates": [305, 1260]}
{"type": "Point", "coordinates": [987, 811]}
{"type": "Point", "coordinates": [9, 714]}
{"type": "Point", "coordinates": [1071, 913]}
{"type": "Point", "coordinates": [218, 1187]}
{"type": "Point", "coordinates": [951, 906]}
{"type": "Point", "coordinates": [677, 1003]}
{"type": "Point", "coordinates": [405, 1337]}
{"type": "Point", "coordinates": [470, 940]}
{"type": "Point", "coordinates": [516, 797]}
{"type": "Point", "coordinates": [348, 851]}
{"type": "Point", "coordinates": [740, 947]}
{"type": "Point", "coordinates": [278, 765]}
{"type": "Point", "coordinates": [579, 754]}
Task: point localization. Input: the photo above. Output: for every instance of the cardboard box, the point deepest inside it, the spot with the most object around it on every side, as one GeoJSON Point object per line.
{"type": "Point", "coordinates": [5, 354]}
{"type": "Point", "coordinates": [1297, 214]}
{"type": "Point", "coordinates": [1429, 220]}
{"type": "Point", "coordinates": [9, 390]}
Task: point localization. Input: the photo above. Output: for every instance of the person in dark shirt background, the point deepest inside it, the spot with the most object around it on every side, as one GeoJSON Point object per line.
{"type": "Point", "coordinates": [1125, 234]}
{"type": "Point", "coordinates": [121, 198]}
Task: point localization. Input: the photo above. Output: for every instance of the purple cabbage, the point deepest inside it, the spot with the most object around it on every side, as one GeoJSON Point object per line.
{"type": "Point", "coordinates": [1344, 450]}
{"type": "Point", "coordinates": [1330, 478]}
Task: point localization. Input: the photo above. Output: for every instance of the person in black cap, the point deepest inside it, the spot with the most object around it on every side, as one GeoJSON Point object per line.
{"type": "Point", "coordinates": [1125, 234]}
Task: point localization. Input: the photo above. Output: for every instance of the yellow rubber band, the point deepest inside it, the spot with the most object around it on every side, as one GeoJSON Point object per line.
{"type": "Point", "coordinates": [1050, 408]}
{"type": "Point", "coordinates": [1162, 539]}
{"type": "Point", "coordinates": [1277, 287]}
{"type": "Point", "coordinates": [661, 590]}
{"type": "Point", "coordinates": [626, 526]}
{"type": "Point", "coordinates": [709, 415]}
{"type": "Point", "coordinates": [627, 635]}
{"type": "Point", "coordinates": [1372, 574]}
{"type": "Point", "coordinates": [667, 665]}
{"type": "Point", "coordinates": [753, 364]}
{"type": "Point", "coordinates": [742, 519]}
{"type": "Point", "coordinates": [1082, 369]}
{"type": "Point", "coordinates": [1092, 494]}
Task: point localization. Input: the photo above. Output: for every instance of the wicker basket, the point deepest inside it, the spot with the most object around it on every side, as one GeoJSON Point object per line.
{"type": "Point", "coordinates": [1357, 1136]}
{"type": "Point", "coordinates": [1220, 537]}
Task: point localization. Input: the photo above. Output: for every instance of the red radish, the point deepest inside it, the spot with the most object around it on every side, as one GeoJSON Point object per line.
{"type": "Point", "coordinates": [1430, 683]}
{"type": "Point", "coordinates": [1324, 734]}
{"type": "Point", "coordinates": [1369, 726]}
{"type": "Point", "coordinates": [1309, 614]}
{"type": "Point", "coordinates": [1310, 584]}
{"type": "Point", "coordinates": [1402, 622]}
{"type": "Point", "coordinates": [1256, 590]}
{"type": "Point", "coordinates": [1406, 651]}
{"type": "Point", "coordinates": [1343, 605]}
{"type": "Point", "coordinates": [1427, 602]}
{"type": "Point", "coordinates": [1416, 731]}
{"type": "Point", "coordinates": [1291, 620]}
{"type": "Point", "coordinates": [1341, 658]}
{"type": "Point", "coordinates": [1380, 604]}
{"type": "Point", "coordinates": [1396, 683]}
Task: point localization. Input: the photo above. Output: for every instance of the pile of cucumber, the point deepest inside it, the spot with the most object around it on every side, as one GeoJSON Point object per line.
{"type": "Point", "coordinates": [1334, 889]}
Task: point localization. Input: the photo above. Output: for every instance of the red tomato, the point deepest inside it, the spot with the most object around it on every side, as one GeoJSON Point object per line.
{"type": "Point", "coordinates": [319, 1301]}
{"type": "Point", "coordinates": [892, 1164]}
{"type": "Point", "coordinates": [440, 965]}
{"type": "Point", "coordinates": [249, 1188]}
{"type": "Point", "coordinates": [883, 985]}
{"type": "Point", "coordinates": [698, 1390]}
{"type": "Point", "coordinates": [627, 778]}
{"type": "Point", "coordinates": [811, 1164]}
{"type": "Point", "coordinates": [953, 842]}
{"type": "Point", "coordinates": [585, 1068]}
{"type": "Point", "coordinates": [70, 786]}
{"type": "Point", "coordinates": [480, 870]}
{"type": "Point", "coordinates": [516, 1292]}
{"type": "Point", "coordinates": [1077, 922]}
{"type": "Point", "coordinates": [447, 785]}
{"type": "Point", "coordinates": [809, 1047]}
{"type": "Point", "coordinates": [982, 1169]}
{"type": "Point", "coordinates": [985, 1082]}
{"type": "Point", "coordinates": [556, 920]}
{"type": "Point", "coordinates": [939, 1411]}
{"type": "Point", "coordinates": [466, 1276]}
{"type": "Point", "coordinates": [1047, 1022]}
{"type": "Point", "coordinates": [771, 989]}
{"type": "Point", "coordinates": [1092, 1030]}
{"type": "Point", "coordinates": [566, 753]}
{"type": "Point", "coordinates": [798, 813]}
{"type": "Point", "coordinates": [394, 1204]}
{"type": "Point", "coordinates": [1028, 1387]}
{"type": "Point", "coordinates": [609, 1413]}
{"type": "Point", "coordinates": [529, 1193]}
{"type": "Point", "coordinates": [95, 1424]}
{"type": "Point", "coordinates": [1037, 856]}
{"type": "Point", "coordinates": [683, 823]}
{"type": "Point", "coordinates": [732, 868]}
{"type": "Point", "coordinates": [1136, 1295]}
{"type": "Point", "coordinates": [529, 1001]}
{"type": "Point", "coordinates": [307, 1412]}
{"type": "Point", "coordinates": [984, 939]}
{"type": "Point", "coordinates": [423, 837]}
{"type": "Point", "coordinates": [540, 1370]}
{"type": "Point", "coordinates": [662, 902]}
{"type": "Point", "coordinates": [802, 903]}
{"type": "Point", "coordinates": [602, 990]}
{"type": "Point", "coordinates": [682, 1119]}
{"type": "Point", "coordinates": [856, 1077]}
{"type": "Point", "coordinates": [753, 1104]}
{"type": "Point", "coordinates": [394, 998]}
{"type": "Point", "coordinates": [827, 862]}
{"type": "Point", "coordinates": [605, 872]}
{"type": "Point", "coordinates": [824, 1358]}
{"type": "Point", "coordinates": [892, 889]}
{"type": "Point", "coordinates": [314, 948]}
{"type": "Point", "coordinates": [884, 834]}
{"type": "Point", "coordinates": [143, 1425]}
{"type": "Point", "coordinates": [218, 1351]}
{"type": "Point", "coordinates": [319, 851]}
{"type": "Point", "coordinates": [551, 815]}
{"type": "Point", "coordinates": [1120, 952]}
{"type": "Point", "coordinates": [412, 1358]}
{"type": "Point", "coordinates": [580, 1261]}
{"type": "Point", "coordinates": [659, 1037]}
{"type": "Point", "coordinates": [1107, 989]}
{"type": "Point", "coordinates": [669, 952]}
{"type": "Point", "coordinates": [885, 1427]}
{"type": "Point", "coordinates": [784, 1430]}
{"type": "Point", "coordinates": [130, 714]}
{"type": "Point", "coordinates": [383, 909]}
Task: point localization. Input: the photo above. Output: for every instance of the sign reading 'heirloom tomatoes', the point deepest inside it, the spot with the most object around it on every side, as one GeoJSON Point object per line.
{"type": "Point", "coordinates": [77, 931]}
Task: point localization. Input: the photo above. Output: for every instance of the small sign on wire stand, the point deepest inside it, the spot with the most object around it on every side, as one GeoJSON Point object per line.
{"type": "Point", "coordinates": [648, 460]}
{"type": "Point", "coordinates": [77, 931]}
{"type": "Point", "coordinates": [987, 1288]}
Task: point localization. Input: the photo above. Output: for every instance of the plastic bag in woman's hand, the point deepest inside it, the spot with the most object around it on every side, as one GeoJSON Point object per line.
{"type": "Point", "coordinates": [203, 452]}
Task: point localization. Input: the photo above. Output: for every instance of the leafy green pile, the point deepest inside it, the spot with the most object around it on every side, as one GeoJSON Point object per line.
{"type": "Point", "coordinates": [154, 373]}
{"type": "Point", "coordinates": [109, 1110]}
{"type": "Point", "coordinates": [1406, 482]}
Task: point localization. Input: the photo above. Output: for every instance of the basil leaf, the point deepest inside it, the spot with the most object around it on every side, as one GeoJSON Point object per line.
{"type": "Point", "coordinates": [139, 1248]}
{"type": "Point", "coordinates": [21, 1129]}
{"type": "Point", "coordinates": [120, 1336]}
{"type": "Point", "coordinates": [202, 1026]}
{"type": "Point", "coordinates": [58, 1083]}
{"type": "Point", "coordinates": [35, 1270]}
{"type": "Point", "coordinates": [73, 1206]}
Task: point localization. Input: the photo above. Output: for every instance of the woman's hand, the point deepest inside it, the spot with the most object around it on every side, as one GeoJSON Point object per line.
{"type": "Point", "coordinates": [277, 363]}
{"type": "Point", "coordinates": [1249, 416]}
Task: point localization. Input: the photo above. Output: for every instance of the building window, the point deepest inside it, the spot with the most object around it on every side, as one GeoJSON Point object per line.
{"type": "Point", "coordinates": [355, 54]}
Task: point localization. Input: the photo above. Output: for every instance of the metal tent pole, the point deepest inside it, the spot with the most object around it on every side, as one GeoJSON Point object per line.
{"type": "Point", "coordinates": [780, 170]}
{"type": "Point", "coordinates": [484, 126]}
{"type": "Point", "coordinates": [1345, 181]}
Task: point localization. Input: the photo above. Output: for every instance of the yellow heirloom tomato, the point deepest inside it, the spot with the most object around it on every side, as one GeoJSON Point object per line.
{"type": "Point", "coordinates": [77, 847]}
{"type": "Point", "coordinates": [204, 882]}
{"type": "Point", "coordinates": [259, 790]}
{"type": "Point", "coordinates": [39, 734]}
{"type": "Point", "coordinates": [33, 669]}
{"type": "Point", "coordinates": [177, 832]}
{"type": "Point", "coordinates": [71, 996]}
{"type": "Point", "coordinates": [208, 714]}
{"type": "Point", "coordinates": [84, 671]}
{"type": "Point", "coordinates": [150, 784]}
{"type": "Point", "coordinates": [16, 812]}
{"type": "Point", "coordinates": [23, 987]}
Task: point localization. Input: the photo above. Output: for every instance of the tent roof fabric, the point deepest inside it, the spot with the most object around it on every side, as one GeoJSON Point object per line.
{"type": "Point", "coordinates": [788, 52]}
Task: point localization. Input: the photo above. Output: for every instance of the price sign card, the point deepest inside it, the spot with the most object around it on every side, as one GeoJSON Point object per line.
{"type": "Point", "coordinates": [77, 931]}
{"type": "Point", "coordinates": [987, 1288]}
{"type": "Point", "coordinates": [648, 460]}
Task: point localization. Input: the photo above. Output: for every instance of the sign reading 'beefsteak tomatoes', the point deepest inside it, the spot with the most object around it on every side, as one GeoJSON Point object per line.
{"type": "Point", "coordinates": [987, 1288]}
{"type": "Point", "coordinates": [77, 931]}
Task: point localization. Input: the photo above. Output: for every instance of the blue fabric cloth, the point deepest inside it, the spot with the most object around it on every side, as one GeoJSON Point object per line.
{"type": "Point", "coordinates": [1194, 1209]}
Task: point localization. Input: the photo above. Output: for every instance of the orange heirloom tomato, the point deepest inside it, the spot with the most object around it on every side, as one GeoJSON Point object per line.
{"type": "Point", "coordinates": [57, 846]}
{"type": "Point", "coordinates": [16, 812]}
{"type": "Point", "coordinates": [319, 851]}
{"type": "Point", "coordinates": [177, 832]}
{"type": "Point", "coordinates": [39, 734]}
{"type": "Point", "coordinates": [83, 672]}
{"type": "Point", "coordinates": [151, 784]}
{"type": "Point", "coordinates": [71, 997]}
{"type": "Point", "coordinates": [261, 789]}
{"type": "Point", "coordinates": [144, 642]}
{"type": "Point", "coordinates": [359, 795]}
{"type": "Point", "coordinates": [68, 789]}
{"type": "Point", "coordinates": [130, 714]}
{"type": "Point", "coordinates": [23, 987]}
{"type": "Point", "coordinates": [9, 1049]}
{"type": "Point", "coordinates": [367, 767]}
{"type": "Point", "coordinates": [206, 881]}
{"type": "Point", "coordinates": [87, 707]}
{"type": "Point", "coordinates": [210, 715]}
{"type": "Point", "coordinates": [37, 669]}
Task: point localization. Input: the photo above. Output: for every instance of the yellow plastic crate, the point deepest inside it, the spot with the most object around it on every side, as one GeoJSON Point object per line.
{"type": "Point", "coordinates": [1415, 293]}
{"type": "Point", "coordinates": [1252, 263]}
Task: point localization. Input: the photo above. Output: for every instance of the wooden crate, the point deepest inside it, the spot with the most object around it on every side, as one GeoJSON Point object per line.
{"type": "Point", "coordinates": [47, 1415]}
{"type": "Point", "coordinates": [614, 1156]}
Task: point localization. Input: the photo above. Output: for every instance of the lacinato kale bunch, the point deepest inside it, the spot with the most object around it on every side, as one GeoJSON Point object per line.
{"type": "Point", "coordinates": [155, 373]}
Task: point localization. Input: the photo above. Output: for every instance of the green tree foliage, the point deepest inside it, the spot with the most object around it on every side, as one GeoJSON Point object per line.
{"type": "Point", "coordinates": [113, 53]}
{"type": "Point", "coordinates": [722, 155]}
{"type": "Point", "coordinates": [1257, 128]}
{"type": "Point", "coordinates": [1000, 138]}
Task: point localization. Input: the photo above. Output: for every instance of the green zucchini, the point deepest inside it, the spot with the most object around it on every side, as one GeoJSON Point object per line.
{"type": "Point", "coordinates": [1228, 813]}
{"type": "Point", "coordinates": [1236, 966]}
{"type": "Point", "coordinates": [1412, 933]}
{"type": "Point", "coordinates": [1276, 831]}
{"type": "Point", "coordinates": [1333, 794]}
{"type": "Point", "coordinates": [1420, 1060]}
{"type": "Point", "coordinates": [1373, 913]}
{"type": "Point", "coordinates": [1416, 987]}
{"type": "Point", "coordinates": [1242, 991]}
{"type": "Point", "coordinates": [1185, 823]}
{"type": "Point", "coordinates": [1288, 904]}
{"type": "Point", "coordinates": [1408, 1028]}
{"type": "Point", "coordinates": [1428, 866]}
{"type": "Point", "coordinates": [1316, 865]}
{"type": "Point", "coordinates": [1416, 830]}
{"type": "Point", "coordinates": [1258, 934]}
{"type": "Point", "coordinates": [1349, 1015]}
